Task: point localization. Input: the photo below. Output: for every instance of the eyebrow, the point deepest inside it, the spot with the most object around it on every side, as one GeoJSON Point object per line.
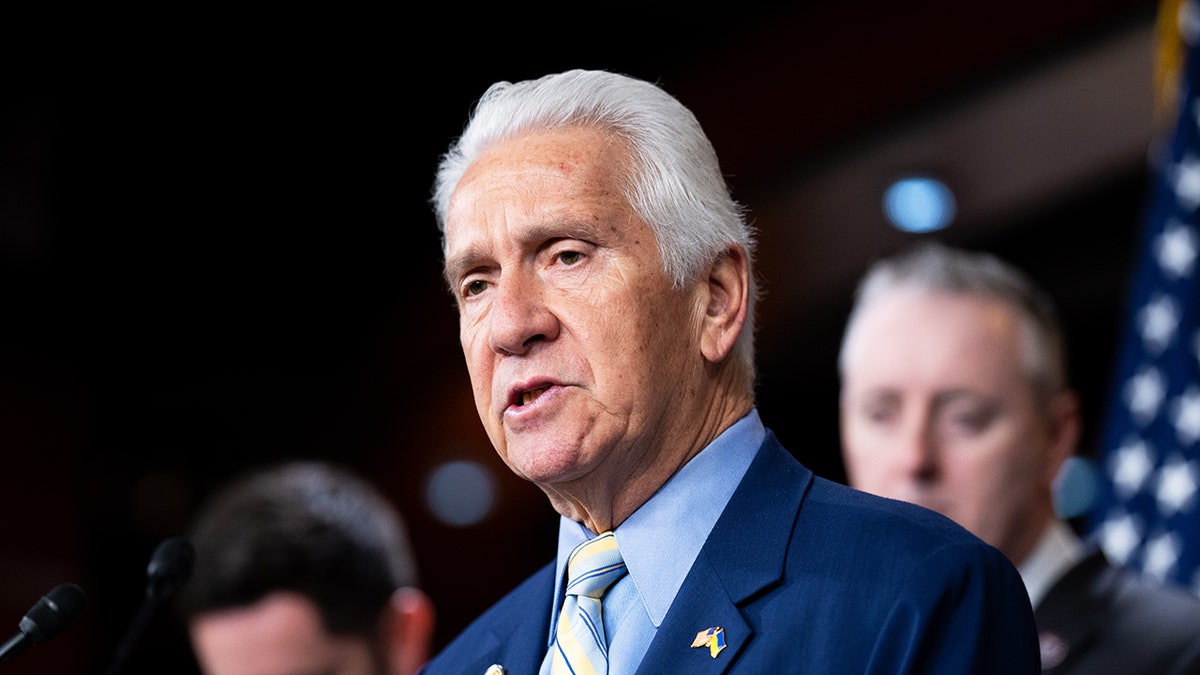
{"type": "Point", "coordinates": [941, 398]}
{"type": "Point", "coordinates": [882, 395]}
{"type": "Point", "coordinates": [459, 264]}
{"type": "Point", "coordinates": [960, 394]}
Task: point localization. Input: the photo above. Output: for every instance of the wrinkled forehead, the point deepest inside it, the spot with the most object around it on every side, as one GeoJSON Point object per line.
{"type": "Point", "coordinates": [566, 146]}
{"type": "Point", "coordinates": [550, 176]}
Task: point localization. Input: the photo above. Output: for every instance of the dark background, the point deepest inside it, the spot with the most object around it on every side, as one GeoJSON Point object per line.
{"type": "Point", "coordinates": [215, 247]}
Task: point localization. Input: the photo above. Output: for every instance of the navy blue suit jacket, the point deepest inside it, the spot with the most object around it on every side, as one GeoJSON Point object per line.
{"type": "Point", "coordinates": [805, 575]}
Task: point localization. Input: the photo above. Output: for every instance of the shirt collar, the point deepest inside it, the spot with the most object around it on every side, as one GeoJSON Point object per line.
{"type": "Point", "coordinates": [661, 540]}
{"type": "Point", "coordinates": [1056, 552]}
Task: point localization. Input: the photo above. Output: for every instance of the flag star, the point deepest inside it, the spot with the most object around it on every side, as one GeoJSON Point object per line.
{"type": "Point", "coordinates": [1130, 466]}
{"type": "Point", "coordinates": [1176, 485]}
{"type": "Point", "coordinates": [1188, 20]}
{"type": "Point", "coordinates": [1160, 555]}
{"type": "Point", "coordinates": [1119, 536]}
{"type": "Point", "coordinates": [1187, 416]}
{"type": "Point", "coordinates": [1144, 394]}
{"type": "Point", "coordinates": [1157, 321]}
{"type": "Point", "coordinates": [1175, 249]}
{"type": "Point", "coordinates": [1186, 175]}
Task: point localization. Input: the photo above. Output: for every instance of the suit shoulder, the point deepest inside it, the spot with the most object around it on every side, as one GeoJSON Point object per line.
{"type": "Point", "coordinates": [519, 620]}
{"type": "Point", "coordinates": [880, 515]}
{"type": "Point", "coordinates": [1110, 615]}
{"type": "Point", "coordinates": [835, 519]}
{"type": "Point", "coordinates": [917, 542]}
{"type": "Point", "coordinates": [1152, 604]}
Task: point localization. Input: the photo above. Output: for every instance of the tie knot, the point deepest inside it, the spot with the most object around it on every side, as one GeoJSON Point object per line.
{"type": "Point", "coordinates": [594, 565]}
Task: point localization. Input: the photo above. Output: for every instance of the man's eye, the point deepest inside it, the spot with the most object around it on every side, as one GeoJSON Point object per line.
{"type": "Point", "coordinates": [475, 287]}
{"type": "Point", "coordinates": [570, 257]}
{"type": "Point", "coordinates": [973, 420]}
{"type": "Point", "coordinates": [879, 415]}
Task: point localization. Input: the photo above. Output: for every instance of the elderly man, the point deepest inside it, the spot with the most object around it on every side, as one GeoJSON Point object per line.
{"type": "Point", "coordinates": [605, 292]}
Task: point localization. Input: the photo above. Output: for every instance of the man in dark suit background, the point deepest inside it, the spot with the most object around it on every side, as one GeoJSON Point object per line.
{"type": "Point", "coordinates": [955, 397]}
{"type": "Point", "coordinates": [603, 275]}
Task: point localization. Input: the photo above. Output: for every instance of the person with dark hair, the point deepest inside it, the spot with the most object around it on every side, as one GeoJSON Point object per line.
{"type": "Point", "coordinates": [605, 291]}
{"type": "Point", "coordinates": [304, 567]}
{"type": "Point", "coordinates": [955, 397]}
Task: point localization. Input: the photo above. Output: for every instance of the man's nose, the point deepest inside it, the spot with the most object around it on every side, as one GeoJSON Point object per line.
{"type": "Point", "coordinates": [519, 316]}
{"type": "Point", "coordinates": [918, 451]}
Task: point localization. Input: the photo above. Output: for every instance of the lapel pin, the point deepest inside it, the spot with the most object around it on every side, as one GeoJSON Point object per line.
{"type": "Point", "coordinates": [713, 638]}
{"type": "Point", "coordinates": [495, 669]}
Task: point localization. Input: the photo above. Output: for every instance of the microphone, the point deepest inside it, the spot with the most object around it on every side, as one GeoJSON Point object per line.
{"type": "Point", "coordinates": [49, 617]}
{"type": "Point", "coordinates": [170, 566]}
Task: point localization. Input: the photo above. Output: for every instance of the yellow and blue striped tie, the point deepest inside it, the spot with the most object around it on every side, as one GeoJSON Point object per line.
{"type": "Point", "coordinates": [580, 647]}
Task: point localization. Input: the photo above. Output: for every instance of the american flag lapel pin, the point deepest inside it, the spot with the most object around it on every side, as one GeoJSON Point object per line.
{"type": "Point", "coordinates": [713, 638]}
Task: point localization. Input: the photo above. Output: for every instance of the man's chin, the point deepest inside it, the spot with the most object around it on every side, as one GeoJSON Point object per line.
{"type": "Point", "coordinates": [546, 464]}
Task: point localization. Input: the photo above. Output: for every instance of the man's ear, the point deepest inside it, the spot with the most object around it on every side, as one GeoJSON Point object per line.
{"type": "Point", "coordinates": [408, 624]}
{"type": "Point", "coordinates": [728, 303]}
{"type": "Point", "coordinates": [1064, 427]}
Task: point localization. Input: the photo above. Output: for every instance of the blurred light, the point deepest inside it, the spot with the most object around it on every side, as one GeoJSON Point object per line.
{"type": "Point", "coordinates": [919, 204]}
{"type": "Point", "coordinates": [460, 493]}
{"type": "Point", "coordinates": [1075, 487]}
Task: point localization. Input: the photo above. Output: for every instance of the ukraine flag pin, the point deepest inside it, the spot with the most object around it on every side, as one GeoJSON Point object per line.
{"type": "Point", "coordinates": [713, 638]}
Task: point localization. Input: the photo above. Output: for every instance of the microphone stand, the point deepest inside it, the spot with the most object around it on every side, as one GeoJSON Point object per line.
{"type": "Point", "coordinates": [169, 568]}
{"type": "Point", "coordinates": [140, 621]}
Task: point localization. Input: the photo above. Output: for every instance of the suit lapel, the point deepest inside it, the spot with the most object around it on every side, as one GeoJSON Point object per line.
{"type": "Point", "coordinates": [744, 553]}
{"type": "Point", "coordinates": [702, 603]}
{"type": "Point", "coordinates": [1073, 610]}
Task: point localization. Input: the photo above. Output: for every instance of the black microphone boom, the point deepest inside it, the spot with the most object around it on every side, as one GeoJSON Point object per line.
{"type": "Point", "coordinates": [170, 566]}
{"type": "Point", "coordinates": [49, 617]}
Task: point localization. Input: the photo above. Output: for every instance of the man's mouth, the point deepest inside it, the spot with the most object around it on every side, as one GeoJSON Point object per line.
{"type": "Point", "coordinates": [529, 396]}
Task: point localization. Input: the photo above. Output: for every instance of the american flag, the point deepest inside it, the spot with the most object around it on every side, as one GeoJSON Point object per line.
{"type": "Point", "coordinates": [1147, 513]}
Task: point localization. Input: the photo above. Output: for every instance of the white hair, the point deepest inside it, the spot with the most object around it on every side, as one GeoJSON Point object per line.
{"type": "Point", "coordinates": [675, 184]}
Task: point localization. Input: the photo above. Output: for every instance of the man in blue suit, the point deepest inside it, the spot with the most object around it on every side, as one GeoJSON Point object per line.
{"type": "Point", "coordinates": [603, 275]}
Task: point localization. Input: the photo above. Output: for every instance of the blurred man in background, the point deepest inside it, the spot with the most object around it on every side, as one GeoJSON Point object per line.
{"type": "Point", "coordinates": [955, 397]}
{"type": "Point", "coordinates": [304, 568]}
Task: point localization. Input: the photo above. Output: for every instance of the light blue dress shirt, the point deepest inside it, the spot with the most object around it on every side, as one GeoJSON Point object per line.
{"type": "Point", "coordinates": [660, 541]}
